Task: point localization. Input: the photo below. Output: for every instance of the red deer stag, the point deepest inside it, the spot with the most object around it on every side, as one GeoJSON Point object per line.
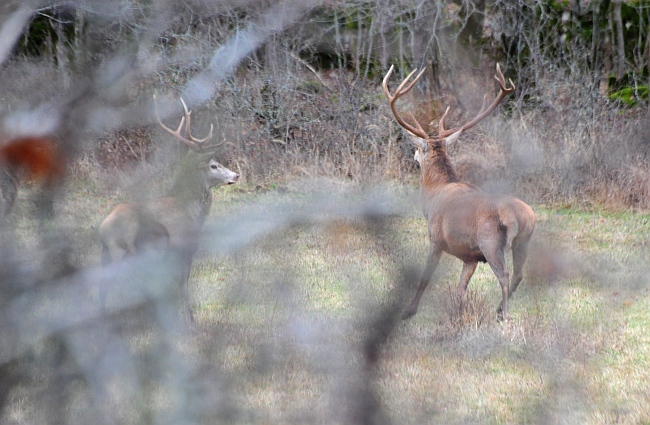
{"type": "Point", "coordinates": [173, 222]}
{"type": "Point", "coordinates": [464, 221]}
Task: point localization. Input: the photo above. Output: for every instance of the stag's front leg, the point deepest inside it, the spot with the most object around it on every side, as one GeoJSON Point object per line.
{"type": "Point", "coordinates": [432, 263]}
{"type": "Point", "coordinates": [186, 309]}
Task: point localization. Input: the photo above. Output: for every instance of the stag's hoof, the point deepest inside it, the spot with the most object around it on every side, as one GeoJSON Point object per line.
{"type": "Point", "coordinates": [408, 314]}
{"type": "Point", "coordinates": [501, 317]}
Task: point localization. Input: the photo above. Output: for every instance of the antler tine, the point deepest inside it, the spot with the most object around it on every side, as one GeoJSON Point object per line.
{"type": "Point", "coordinates": [205, 139]}
{"type": "Point", "coordinates": [187, 114]}
{"type": "Point", "coordinates": [384, 84]}
{"type": "Point", "coordinates": [485, 110]}
{"type": "Point", "coordinates": [502, 80]}
{"type": "Point", "coordinates": [417, 130]}
{"type": "Point", "coordinates": [189, 130]}
{"type": "Point", "coordinates": [401, 90]}
{"type": "Point", "coordinates": [419, 127]}
{"type": "Point", "coordinates": [441, 123]}
{"type": "Point", "coordinates": [176, 133]}
{"type": "Point", "coordinates": [211, 147]}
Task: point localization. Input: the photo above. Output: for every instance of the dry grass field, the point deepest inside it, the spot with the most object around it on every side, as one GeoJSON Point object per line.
{"type": "Point", "coordinates": [296, 296]}
{"type": "Point", "coordinates": [576, 350]}
{"type": "Point", "coordinates": [307, 263]}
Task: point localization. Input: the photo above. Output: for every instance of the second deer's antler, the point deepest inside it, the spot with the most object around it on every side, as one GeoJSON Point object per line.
{"type": "Point", "coordinates": [191, 141]}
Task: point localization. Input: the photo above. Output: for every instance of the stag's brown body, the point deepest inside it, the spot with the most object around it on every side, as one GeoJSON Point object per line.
{"type": "Point", "coordinates": [171, 224]}
{"type": "Point", "coordinates": [464, 221]}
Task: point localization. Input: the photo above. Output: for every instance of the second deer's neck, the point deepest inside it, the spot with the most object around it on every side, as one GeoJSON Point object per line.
{"type": "Point", "coordinates": [197, 204]}
{"type": "Point", "coordinates": [193, 194]}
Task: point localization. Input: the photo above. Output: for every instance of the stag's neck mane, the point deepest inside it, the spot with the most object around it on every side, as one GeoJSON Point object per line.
{"type": "Point", "coordinates": [437, 171]}
{"type": "Point", "coordinates": [190, 189]}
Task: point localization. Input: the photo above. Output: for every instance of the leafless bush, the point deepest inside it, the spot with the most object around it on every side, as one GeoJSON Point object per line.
{"type": "Point", "coordinates": [568, 63]}
{"type": "Point", "coordinates": [471, 313]}
{"type": "Point", "coordinates": [280, 126]}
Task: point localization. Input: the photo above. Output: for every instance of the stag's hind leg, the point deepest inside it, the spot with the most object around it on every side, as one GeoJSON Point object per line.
{"type": "Point", "coordinates": [465, 276]}
{"type": "Point", "coordinates": [501, 271]}
{"type": "Point", "coordinates": [432, 263]}
{"type": "Point", "coordinates": [495, 256]}
{"type": "Point", "coordinates": [111, 254]}
{"type": "Point", "coordinates": [519, 254]}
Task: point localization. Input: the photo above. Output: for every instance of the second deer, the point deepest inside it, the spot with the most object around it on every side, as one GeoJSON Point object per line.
{"type": "Point", "coordinates": [464, 221]}
{"type": "Point", "coordinates": [172, 223]}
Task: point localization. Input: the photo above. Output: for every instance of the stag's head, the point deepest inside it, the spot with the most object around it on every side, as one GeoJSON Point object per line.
{"type": "Point", "coordinates": [201, 156]}
{"type": "Point", "coordinates": [421, 148]}
{"type": "Point", "coordinates": [428, 147]}
{"type": "Point", "coordinates": [218, 175]}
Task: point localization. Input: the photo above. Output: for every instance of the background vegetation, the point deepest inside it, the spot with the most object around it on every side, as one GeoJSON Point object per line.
{"type": "Point", "coordinates": [307, 262]}
{"type": "Point", "coordinates": [305, 99]}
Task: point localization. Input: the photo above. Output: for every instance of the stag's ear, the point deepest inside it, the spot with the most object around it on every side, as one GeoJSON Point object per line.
{"type": "Point", "coordinates": [452, 138]}
{"type": "Point", "coordinates": [417, 142]}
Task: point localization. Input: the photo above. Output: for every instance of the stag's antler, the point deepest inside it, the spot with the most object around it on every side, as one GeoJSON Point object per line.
{"type": "Point", "coordinates": [417, 130]}
{"type": "Point", "coordinates": [191, 141]}
{"type": "Point", "coordinates": [442, 133]}
{"type": "Point", "coordinates": [485, 110]}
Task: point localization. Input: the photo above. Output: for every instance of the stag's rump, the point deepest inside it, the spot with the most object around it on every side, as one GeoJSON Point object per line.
{"type": "Point", "coordinates": [518, 217]}
{"type": "Point", "coordinates": [130, 229]}
{"type": "Point", "coordinates": [468, 222]}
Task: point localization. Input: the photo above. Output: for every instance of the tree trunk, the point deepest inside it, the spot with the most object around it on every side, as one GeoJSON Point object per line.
{"type": "Point", "coordinates": [620, 42]}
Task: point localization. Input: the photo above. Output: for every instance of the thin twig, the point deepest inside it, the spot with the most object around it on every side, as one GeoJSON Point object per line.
{"type": "Point", "coordinates": [311, 68]}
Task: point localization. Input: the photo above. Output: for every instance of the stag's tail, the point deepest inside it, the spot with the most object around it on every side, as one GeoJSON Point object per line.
{"type": "Point", "coordinates": [519, 220]}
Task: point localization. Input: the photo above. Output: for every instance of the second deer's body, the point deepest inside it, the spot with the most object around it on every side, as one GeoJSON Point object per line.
{"type": "Point", "coordinates": [172, 223]}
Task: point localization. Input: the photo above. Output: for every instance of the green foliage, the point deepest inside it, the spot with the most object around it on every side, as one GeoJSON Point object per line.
{"type": "Point", "coordinates": [558, 6]}
{"type": "Point", "coordinates": [630, 96]}
{"type": "Point", "coordinates": [44, 33]}
{"type": "Point", "coordinates": [557, 37]}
